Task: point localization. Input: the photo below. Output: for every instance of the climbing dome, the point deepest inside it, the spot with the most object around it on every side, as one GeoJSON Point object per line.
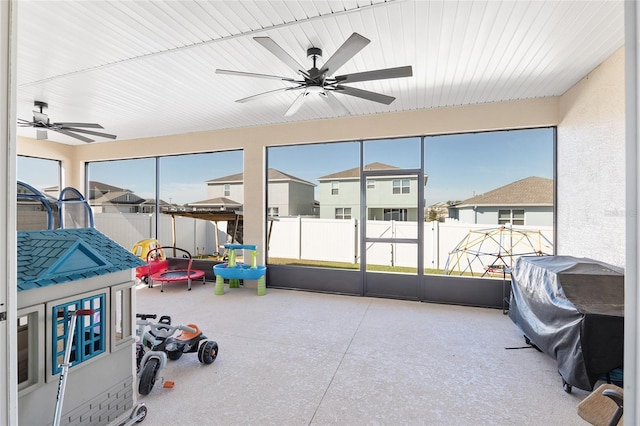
{"type": "Point", "coordinates": [491, 251]}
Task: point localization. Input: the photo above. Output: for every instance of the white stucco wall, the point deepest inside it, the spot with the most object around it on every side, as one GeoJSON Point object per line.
{"type": "Point", "coordinates": [590, 158]}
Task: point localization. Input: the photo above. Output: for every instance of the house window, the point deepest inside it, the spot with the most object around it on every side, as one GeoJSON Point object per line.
{"type": "Point", "coordinates": [273, 211]}
{"type": "Point", "coordinates": [89, 332]}
{"type": "Point", "coordinates": [335, 188]}
{"type": "Point", "coordinates": [371, 184]}
{"type": "Point", "coordinates": [514, 217]}
{"type": "Point", "coordinates": [395, 214]}
{"type": "Point", "coordinates": [343, 212]}
{"type": "Point", "coordinates": [401, 186]}
{"type": "Point", "coordinates": [227, 190]}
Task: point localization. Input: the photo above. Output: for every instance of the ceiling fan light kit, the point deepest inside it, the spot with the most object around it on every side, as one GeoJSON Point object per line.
{"type": "Point", "coordinates": [42, 123]}
{"type": "Point", "coordinates": [319, 80]}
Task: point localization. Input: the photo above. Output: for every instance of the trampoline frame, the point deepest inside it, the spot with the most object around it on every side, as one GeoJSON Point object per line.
{"type": "Point", "coordinates": [169, 275]}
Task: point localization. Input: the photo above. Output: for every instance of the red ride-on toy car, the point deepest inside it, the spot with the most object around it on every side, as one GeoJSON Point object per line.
{"type": "Point", "coordinates": [151, 252]}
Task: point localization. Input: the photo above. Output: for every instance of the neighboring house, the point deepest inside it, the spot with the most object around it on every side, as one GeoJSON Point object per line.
{"type": "Point", "coordinates": [388, 198]}
{"type": "Point", "coordinates": [106, 198]}
{"type": "Point", "coordinates": [526, 202]}
{"type": "Point", "coordinates": [288, 195]}
{"type": "Point", "coordinates": [111, 199]}
{"type": "Point", "coordinates": [437, 211]}
{"type": "Point", "coordinates": [59, 271]}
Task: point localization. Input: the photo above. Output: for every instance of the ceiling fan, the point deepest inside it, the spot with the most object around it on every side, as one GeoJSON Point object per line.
{"type": "Point", "coordinates": [321, 80]}
{"type": "Point", "coordinates": [42, 124]}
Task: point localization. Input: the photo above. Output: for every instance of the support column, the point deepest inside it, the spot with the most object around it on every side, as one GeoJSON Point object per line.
{"type": "Point", "coordinates": [8, 289]}
{"type": "Point", "coordinates": [632, 222]}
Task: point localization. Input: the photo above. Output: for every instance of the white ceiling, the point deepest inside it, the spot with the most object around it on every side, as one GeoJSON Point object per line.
{"type": "Point", "coordinates": [146, 68]}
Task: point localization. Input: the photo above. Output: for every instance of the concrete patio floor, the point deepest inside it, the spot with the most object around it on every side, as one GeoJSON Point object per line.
{"type": "Point", "coordinates": [301, 358]}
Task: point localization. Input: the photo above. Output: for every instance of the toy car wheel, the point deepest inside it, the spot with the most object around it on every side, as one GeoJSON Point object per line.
{"type": "Point", "coordinates": [145, 279]}
{"type": "Point", "coordinates": [174, 355]}
{"type": "Point", "coordinates": [208, 352]}
{"type": "Point", "coordinates": [148, 376]}
{"type": "Point", "coordinates": [142, 412]}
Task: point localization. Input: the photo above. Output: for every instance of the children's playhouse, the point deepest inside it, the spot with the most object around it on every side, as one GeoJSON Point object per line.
{"type": "Point", "coordinates": [60, 271]}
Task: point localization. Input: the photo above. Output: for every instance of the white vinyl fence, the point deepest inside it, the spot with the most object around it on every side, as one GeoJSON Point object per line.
{"type": "Point", "coordinates": [194, 235]}
{"type": "Point", "coordinates": [453, 247]}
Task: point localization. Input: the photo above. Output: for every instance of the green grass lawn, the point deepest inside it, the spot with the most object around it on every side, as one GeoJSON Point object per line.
{"type": "Point", "coordinates": [346, 265]}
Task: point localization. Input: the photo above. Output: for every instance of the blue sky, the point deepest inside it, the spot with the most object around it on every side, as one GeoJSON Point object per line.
{"type": "Point", "coordinates": [459, 166]}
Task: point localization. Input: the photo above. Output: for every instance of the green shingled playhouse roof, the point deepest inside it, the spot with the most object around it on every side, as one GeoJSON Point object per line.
{"type": "Point", "coordinates": [57, 256]}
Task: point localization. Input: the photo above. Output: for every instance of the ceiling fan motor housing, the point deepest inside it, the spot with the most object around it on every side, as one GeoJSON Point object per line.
{"type": "Point", "coordinates": [40, 104]}
{"type": "Point", "coordinates": [314, 52]}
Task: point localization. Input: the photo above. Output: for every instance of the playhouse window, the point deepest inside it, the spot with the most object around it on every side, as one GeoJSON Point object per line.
{"type": "Point", "coordinates": [121, 308]}
{"type": "Point", "coordinates": [30, 350]}
{"type": "Point", "coordinates": [89, 332]}
{"type": "Point", "coordinates": [23, 349]}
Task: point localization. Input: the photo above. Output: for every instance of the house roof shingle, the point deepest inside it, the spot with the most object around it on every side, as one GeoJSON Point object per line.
{"type": "Point", "coordinates": [355, 172]}
{"type": "Point", "coordinates": [272, 175]}
{"type": "Point", "coordinates": [118, 197]}
{"type": "Point", "coordinates": [529, 191]}
{"type": "Point", "coordinates": [216, 202]}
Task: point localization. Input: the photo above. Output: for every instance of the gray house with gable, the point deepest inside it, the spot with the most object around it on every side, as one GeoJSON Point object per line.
{"type": "Point", "coordinates": [63, 270]}
{"type": "Point", "coordinates": [288, 195]}
{"type": "Point", "coordinates": [526, 202]}
{"type": "Point", "coordinates": [388, 198]}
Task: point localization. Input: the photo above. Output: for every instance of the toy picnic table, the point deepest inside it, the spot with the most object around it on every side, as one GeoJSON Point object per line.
{"type": "Point", "coordinates": [236, 271]}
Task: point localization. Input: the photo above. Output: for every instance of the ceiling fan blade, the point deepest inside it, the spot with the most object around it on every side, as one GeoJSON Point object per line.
{"type": "Point", "coordinates": [73, 135]}
{"type": "Point", "coordinates": [280, 53]}
{"type": "Point", "coordinates": [41, 134]}
{"type": "Point", "coordinates": [398, 72]}
{"type": "Point", "coordinates": [89, 132]}
{"type": "Point", "coordinates": [334, 103]}
{"type": "Point", "coordinates": [349, 48]}
{"type": "Point", "coordinates": [70, 124]}
{"type": "Point", "coordinates": [259, 95]}
{"type": "Point", "coordinates": [251, 74]}
{"type": "Point", "coordinates": [295, 106]}
{"type": "Point", "coordinates": [365, 94]}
